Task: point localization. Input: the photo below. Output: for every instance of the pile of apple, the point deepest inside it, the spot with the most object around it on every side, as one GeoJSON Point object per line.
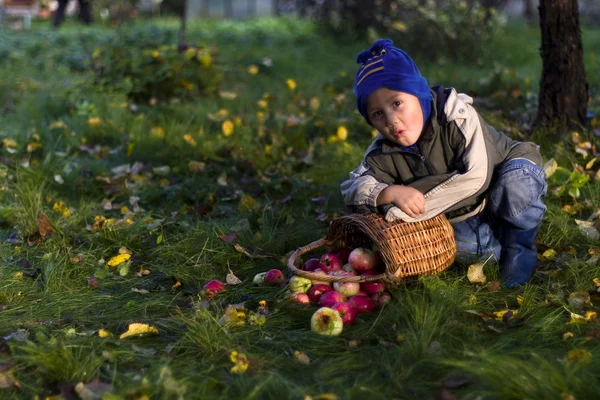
{"type": "Point", "coordinates": [340, 302]}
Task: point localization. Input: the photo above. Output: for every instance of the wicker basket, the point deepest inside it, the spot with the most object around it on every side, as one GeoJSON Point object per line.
{"type": "Point", "coordinates": [407, 248]}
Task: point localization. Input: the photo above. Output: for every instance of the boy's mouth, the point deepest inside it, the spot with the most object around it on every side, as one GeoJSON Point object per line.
{"type": "Point", "coordinates": [399, 133]}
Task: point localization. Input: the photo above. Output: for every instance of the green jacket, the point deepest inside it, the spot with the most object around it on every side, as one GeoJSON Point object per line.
{"type": "Point", "coordinates": [452, 164]}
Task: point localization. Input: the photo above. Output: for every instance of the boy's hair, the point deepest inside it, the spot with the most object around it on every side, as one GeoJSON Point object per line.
{"type": "Point", "coordinates": [385, 66]}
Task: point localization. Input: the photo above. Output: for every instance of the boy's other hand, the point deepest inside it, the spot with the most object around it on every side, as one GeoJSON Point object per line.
{"type": "Point", "coordinates": [406, 198]}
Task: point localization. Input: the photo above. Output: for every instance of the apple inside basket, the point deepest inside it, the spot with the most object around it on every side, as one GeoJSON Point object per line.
{"type": "Point", "coordinates": [405, 248]}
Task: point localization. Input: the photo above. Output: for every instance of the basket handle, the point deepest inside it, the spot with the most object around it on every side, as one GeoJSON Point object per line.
{"type": "Point", "coordinates": [327, 278]}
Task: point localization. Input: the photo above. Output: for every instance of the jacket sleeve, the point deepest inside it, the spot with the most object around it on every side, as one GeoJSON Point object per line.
{"type": "Point", "coordinates": [471, 181]}
{"type": "Point", "coordinates": [361, 190]}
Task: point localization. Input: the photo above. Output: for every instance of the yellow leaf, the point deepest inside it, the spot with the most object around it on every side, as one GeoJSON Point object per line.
{"type": "Point", "coordinates": [116, 260]}
{"type": "Point", "coordinates": [262, 103]}
{"type": "Point", "coordinates": [196, 167]}
{"type": "Point", "coordinates": [190, 52]}
{"type": "Point", "coordinates": [301, 357]}
{"type": "Point", "coordinates": [103, 333]}
{"type": "Point", "coordinates": [520, 300]}
{"type": "Point", "coordinates": [241, 362]}
{"type": "Point", "coordinates": [158, 132]}
{"type": "Point", "coordinates": [567, 335]}
{"type": "Point", "coordinates": [578, 356]}
{"type": "Point", "coordinates": [19, 276]}
{"type": "Point", "coordinates": [400, 26]}
{"type": "Point", "coordinates": [590, 163]}
{"type": "Point", "coordinates": [94, 121]}
{"type": "Point", "coordinates": [155, 54]}
{"type": "Point", "coordinates": [314, 104]}
{"type": "Point", "coordinates": [176, 285]}
{"type": "Point", "coordinates": [130, 149]}
{"type": "Point", "coordinates": [475, 273]}
{"type": "Point", "coordinates": [597, 282]}
{"type": "Point", "coordinates": [548, 255]}
{"type": "Point", "coordinates": [189, 139]}
{"type": "Point", "coordinates": [247, 203]}
{"type": "Point", "coordinates": [291, 84]}
{"type": "Point", "coordinates": [205, 59]}
{"type": "Point", "coordinates": [139, 329]}
{"type": "Point", "coordinates": [227, 128]}
{"type": "Point", "coordinates": [252, 69]}
{"type": "Point", "coordinates": [342, 133]}
{"type": "Point", "coordinates": [499, 315]}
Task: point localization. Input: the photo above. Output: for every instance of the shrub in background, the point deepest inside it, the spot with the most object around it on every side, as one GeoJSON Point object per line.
{"type": "Point", "coordinates": [147, 68]}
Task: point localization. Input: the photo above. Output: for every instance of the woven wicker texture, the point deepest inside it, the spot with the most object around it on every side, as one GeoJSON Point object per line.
{"type": "Point", "coordinates": [407, 248]}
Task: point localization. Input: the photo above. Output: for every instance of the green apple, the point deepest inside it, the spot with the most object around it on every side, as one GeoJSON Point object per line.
{"type": "Point", "coordinates": [299, 284]}
{"type": "Point", "coordinates": [327, 321]}
{"type": "Point", "coordinates": [259, 278]}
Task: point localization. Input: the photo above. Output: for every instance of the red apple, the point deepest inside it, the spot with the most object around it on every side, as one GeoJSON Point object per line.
{"type": "Point", "coordinates": [362, 259]}
{"type": "Point", "coordinates": [361, 304]}
{"type": "Point", "coordinates": [213, 287]}
{"type": "Point", "coordinates": [372, 287]}
{"type": "Point", "coordinates": [330, 298]}
{"type": "Point", "coordinates": [348, 289]}
{"type": "Point", "coordinates": [346, 312]}
{"type": "Point", "coordinates": [381, 298]}
{"type": "Point", "coordinates": [343, 254]}
{"type": "Point", "coordinates": [315, 292]}
{"type": "Point", "coordinates": [274, 277]}
{"type": "Point", "coordinates": [299, 298]}
{"type": "Point", "coordinates": [361, 293]}
{"type": "Point", "coordinates": [341, 272]}
{"type": "Point", "coordinates": [326, 321]}
{"type": "Point", "coordinates": [311, 264]}
{"type": "Point", "coordinates": [330, 262]}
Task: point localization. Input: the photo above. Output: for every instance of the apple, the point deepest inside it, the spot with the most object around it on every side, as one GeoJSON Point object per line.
{"type": "Point", "coordinates": [361, 293]}
{"type": "Point", "coordinates": [316, 291]}
{"type": "Point", "coordinates": [346, 312]}
{"type": "Point", "coordinates": [330, 262]}
{"type": "Point", "coordinates": [319, 271]}
{"type": "Point", "coordinates": [328, 299]}
{"type": "Point", "coordinates": [348, 268]}
{"type": "Point", "coordinates": [259, 278]}
{"type": "Point", "coordinates": [311, 264]}
{"type": "Point", "coordinates": [299, 284]}
{"type": "Point", "coordinates": [348, 289]}
{"type": "Point", "coordinates": [372, 287]}
{"type": "Point", "coordinates": [341, 272]}
{"type": "Point", "coordinates": [361, 304]}
{"type": "Point", "coordinates": [274, 277]}
{"type": "Point", "coordinates": [299, 297]}
{"type": "Point", "coordinates": [362, 259]}
{"type": "Point", "coordinates": [381, 298]}
{"type": "Point", "coordinates": [326, 321]}
{"type": "Point", "coordinates": [343, 254]}
{"type": "Point", "coordinates": [213, 287]}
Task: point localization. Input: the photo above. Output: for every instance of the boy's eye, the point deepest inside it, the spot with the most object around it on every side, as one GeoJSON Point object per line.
{"type": "Point", "coordinates": [376, 114]}
{"type": "Point", "coordinates": [397, 104]}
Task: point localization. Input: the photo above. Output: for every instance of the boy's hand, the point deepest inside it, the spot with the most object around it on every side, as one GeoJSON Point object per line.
{"type": "Point", "coordinates": [406, 198]}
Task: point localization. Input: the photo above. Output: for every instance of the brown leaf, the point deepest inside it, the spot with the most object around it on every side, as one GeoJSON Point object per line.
{"type": "Point", "coordinates": [252, 252]}
{"type": "Point", "coordinates": [44, 226]}
{"type": "Point", "coordinates": [230, 237]}
{"type": "Point", "coordinates": [494, 286]}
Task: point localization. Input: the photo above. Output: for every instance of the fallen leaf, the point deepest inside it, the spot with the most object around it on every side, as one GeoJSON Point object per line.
{"type": "Point", "coordinates": [230, 237]}
{"type": "Point", "coordinates": [6, 381]}
{"type": "Point", "coordinates": [231, 279]}
{"type": "Point", "coordinates": [251, 252]}
{"type": "Point", "coordinates": [475, 273]}
{"type": "Point", "coordinates": [117, 260]}
{"type": "Point", "coordinates": [567, 335]}
{"type": "Point", "coordinates": [44, 226]}
{"type": "Point", "coordinates": [494, 286]}
{"type": "Point", "coordinates": [240, 361]}
{"type": "Point", "coordinates": [550, 167]}
{"type": "Point", "coordinates": [576, 356]}
{"type": "Point", "coordinates": [103, 333]}
{"type": "Point", "coordinates": [301, 357]}
{"type": "Point", "coordinates": [139, 329]}
{"type": "Point", "coordinates": [140, 291]}
{"type": "Point", "coordinates": [588, 229]}
{"type": "Point", "coordinates": [578, 300]}
{"type": "Point", "coordinates": [93, 390]}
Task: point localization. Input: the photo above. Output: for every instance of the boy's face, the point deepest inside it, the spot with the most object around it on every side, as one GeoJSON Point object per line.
{"type": "Point", "coordinates": [397, 115]}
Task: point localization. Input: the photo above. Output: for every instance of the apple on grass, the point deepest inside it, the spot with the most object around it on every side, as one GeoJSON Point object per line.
{"type": "Point", "coordinates": [330, 262]}
{"type": "Point", "coordinates": [362, 304]}
{"type": "Point", "coordinates": [346, 312]}
{"type": "Point", "coordinates": [362, 259]}
{"type": "Point", "coordinates": [213, 287]}
{"type": "Point", "coordinates": [328, 299]}
{"type": "Point", "coordinates": [299, 284]}
{"type": "Point", "coordinates": [299, 297]}
{"type": "Point", "coordinates": [316, 291]}
{"type": "Point", "coordinates": [274, 277]}
{"type": "Point", "coordinates": [326, 321]}
{"type": "Point", "coordinates": [381, 298]}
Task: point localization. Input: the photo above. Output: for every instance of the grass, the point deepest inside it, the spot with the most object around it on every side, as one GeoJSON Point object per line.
{"type": "Point", "coordinates": [436, 338]}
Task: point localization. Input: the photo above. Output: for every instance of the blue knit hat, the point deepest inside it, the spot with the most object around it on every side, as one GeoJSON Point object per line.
{"type": "Point", "coordinates": [385, 66]}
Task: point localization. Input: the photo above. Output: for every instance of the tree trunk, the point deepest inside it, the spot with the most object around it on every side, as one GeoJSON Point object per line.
{"type": "Point", "coordinates": [563, 93]}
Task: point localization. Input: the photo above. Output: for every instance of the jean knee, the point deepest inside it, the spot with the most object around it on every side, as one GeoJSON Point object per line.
{"type": "Point", "coordinates": [516, 196]}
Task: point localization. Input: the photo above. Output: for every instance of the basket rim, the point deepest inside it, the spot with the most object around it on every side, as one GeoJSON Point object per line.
{"type": "Point", "coordinates": [329, 278]}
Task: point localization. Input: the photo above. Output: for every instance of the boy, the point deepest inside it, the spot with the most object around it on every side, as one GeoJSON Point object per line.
{"type": "Point", "coordinates": [434, 154]}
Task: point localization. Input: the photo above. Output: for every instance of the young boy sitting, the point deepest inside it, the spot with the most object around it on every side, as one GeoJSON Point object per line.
{"type": "Point", "coordinates": [435, 154]}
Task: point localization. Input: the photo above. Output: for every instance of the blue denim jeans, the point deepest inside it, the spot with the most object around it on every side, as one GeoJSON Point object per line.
{"type": "Point", "coordinates": [514, 204]}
